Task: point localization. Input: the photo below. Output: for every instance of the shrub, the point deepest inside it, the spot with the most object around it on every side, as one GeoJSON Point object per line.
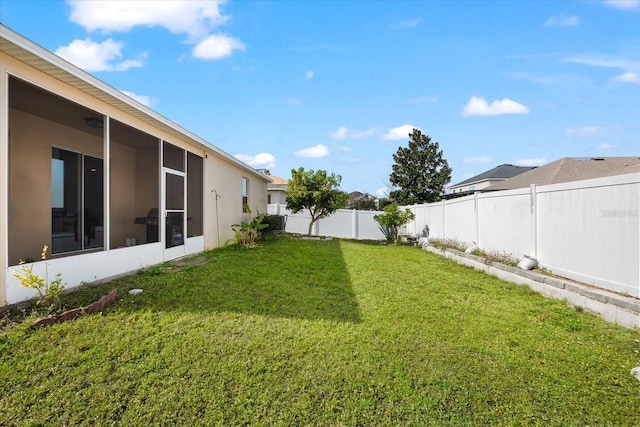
{"type": "Point", "coordinates": [49, 292]}
{"type": "Point", "coordinates": [246, 233]}
{"type": "Point", "coordinates": [392, 219]}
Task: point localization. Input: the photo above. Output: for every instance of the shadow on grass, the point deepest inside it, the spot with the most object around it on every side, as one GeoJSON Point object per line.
{"type": "Point", "coordinates": [281, 277]}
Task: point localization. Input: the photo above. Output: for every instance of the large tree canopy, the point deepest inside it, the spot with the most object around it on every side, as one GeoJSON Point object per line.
{"type": "Point", "coordinates": [420, 173]}
{"type": "Point", "coordinates": [317, 192]}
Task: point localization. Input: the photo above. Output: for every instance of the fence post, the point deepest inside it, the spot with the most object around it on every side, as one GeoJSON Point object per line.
{"type": "Point", "coordinates": [354, 224]}
{"type": "Point", "coordinates": [475, 214]}
{"type": "Point", "coordinates": [534, 213]}
{"type": "Point", "coordinates": [443, 221]}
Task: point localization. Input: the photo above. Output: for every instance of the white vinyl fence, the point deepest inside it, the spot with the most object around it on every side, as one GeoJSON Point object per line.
{"type": "Point", "coordinates": [585, 230]}
{"type": "Point", "coordinates": [345, 223]}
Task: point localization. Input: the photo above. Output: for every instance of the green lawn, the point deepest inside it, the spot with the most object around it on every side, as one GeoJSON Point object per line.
{"type": "Point", "coordinates": [298, 332]}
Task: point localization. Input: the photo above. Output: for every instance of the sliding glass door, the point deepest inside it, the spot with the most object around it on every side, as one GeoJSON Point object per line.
{"type": "Point", "coordinates": [77, 202]}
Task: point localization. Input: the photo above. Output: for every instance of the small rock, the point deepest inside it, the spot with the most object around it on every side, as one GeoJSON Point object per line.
{"type": "Point", "coordinates": [135, 291]}
{"type": "Point", "coordinates": [636, 371]}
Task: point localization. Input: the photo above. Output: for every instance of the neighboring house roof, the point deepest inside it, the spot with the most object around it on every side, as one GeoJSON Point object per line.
{"type": "Point", "coordinates": [356, 195]}
{"type": "Point", "coordinates": [500, 172]}
{"type": "Point", "coordinates": [24, 50]}
{"type": "Point", "coordinates": [277, 180]}
{"type": "Point", "coordinates": [570, 169]}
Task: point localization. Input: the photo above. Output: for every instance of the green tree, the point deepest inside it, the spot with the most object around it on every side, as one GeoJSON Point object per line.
{"type": "Point", "coordinates": [315, 191]}
{"type": "Point", "coordinates": [392, 219]}
{"type": "Point", "coordinates": [420, 173]}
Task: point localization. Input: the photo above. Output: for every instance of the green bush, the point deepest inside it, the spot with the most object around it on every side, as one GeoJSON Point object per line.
{"type": "Point", "coordinates": [391, 220]}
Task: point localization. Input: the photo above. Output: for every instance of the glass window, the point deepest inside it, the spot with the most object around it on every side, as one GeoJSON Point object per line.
{"type": "Point", "coordinates": [245, 194]}
{"type": "Point", "coordinates": [77, 210]}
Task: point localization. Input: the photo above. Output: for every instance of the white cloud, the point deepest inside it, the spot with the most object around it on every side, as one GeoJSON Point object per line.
{"type": "Point", "coordinates": [477, 160]}
{"type": "Point", "coordinates": [630, 67]}
{"type": "Point", "coordinates": [599, 60]}
{"type": "Point", "coordinates": [623, 4]}
{"type": "Point", "coordinates": [585, 131]}
{"type": "Point", "coordinates": [317, 151]}
{"type": "Point", "coordinates": [266, 160]}
{"type": "Point", "coordinates": [92, 56]}
{"type": "Point", "coordinates": [194, 18]}
{"type": "Point", "coordinates": [295, 102]}
{"type": "Point", "coordinates": [400, 132]}
{"type": "Point", "coordinates": [562, 20]}
{"type": "Point", "coordinates": [531, 162]}
{"type": "Point", "coordinates": [309, 75]}
{"type": "Point", "coordinates": [341, 133]}
{"type": "Point", "coordinates": [217, 46]}
{"type": "Point", "coordinates": [143, 99]}
{"type": "Point", "coordinates": [345, 133]}
{"type": "Point", "coordinates": [629, 77]}
{"type": "Point", "coordinates": [605, 146]}
{"type": "Point", "coordinates": [479, 107]}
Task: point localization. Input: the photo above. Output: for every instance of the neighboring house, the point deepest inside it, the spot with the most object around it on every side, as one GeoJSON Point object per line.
{"type": "Point", "coordinates": [109, 185]}
{"type": "Point", "coordinates": [486, 180]}
{"type": "Point", "coordinates": [276, 189]}
{"type": "Point", "coordinates": [362, 201]}
{"type": "Point", "coordinates": [570, 169]}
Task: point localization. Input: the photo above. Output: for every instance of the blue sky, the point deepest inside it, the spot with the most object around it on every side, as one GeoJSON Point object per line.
{"type": "Point", "coordinates": [338, 85]}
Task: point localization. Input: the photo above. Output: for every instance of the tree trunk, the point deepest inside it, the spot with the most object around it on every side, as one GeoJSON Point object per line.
{"type": "Point", "coordinates": [311, 226]}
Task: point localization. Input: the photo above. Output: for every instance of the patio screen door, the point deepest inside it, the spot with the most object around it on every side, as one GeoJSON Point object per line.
{"type": "Point", "coordinates": [174, 214]}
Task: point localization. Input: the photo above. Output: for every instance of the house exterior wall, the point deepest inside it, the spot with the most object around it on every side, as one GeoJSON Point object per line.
{"type": "Point", "coordinates": [225, 180]}
{"type": "Point", "coordinates": [473, 186]}
{"type": "Point", "coordinates": [278, 196]}
{"type": "Point", "coordinates": [31, 205]}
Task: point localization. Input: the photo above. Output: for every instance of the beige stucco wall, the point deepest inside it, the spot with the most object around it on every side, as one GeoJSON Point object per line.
{"type": "Point", "coordinates": [226, 180]}
{"type": "Point", "coordinates": [31, 145]}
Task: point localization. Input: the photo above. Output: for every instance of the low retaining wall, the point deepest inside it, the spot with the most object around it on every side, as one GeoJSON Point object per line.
{"type": "Point", "coordinates": [612, 307]}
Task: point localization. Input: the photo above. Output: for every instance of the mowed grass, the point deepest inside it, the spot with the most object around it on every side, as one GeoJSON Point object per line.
{"type": "Point", "coordinates": [316, 333]}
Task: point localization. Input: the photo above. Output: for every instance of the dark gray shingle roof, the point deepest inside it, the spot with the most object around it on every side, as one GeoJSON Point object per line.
{"type": "Point", "coordinates": [498, 173]}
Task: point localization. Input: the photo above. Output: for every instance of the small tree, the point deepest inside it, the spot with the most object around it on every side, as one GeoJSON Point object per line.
{"type": "Point", "coordinates": [392, 219]}
{"type": "Point", "coordinates": [315, 191]}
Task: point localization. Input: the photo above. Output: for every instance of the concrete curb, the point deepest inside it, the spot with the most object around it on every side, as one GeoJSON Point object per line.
{"type": "Point", "coordinates": [615, 308]}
